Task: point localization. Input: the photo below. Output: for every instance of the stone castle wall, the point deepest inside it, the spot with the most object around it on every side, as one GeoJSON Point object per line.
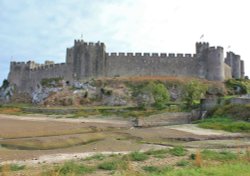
{"type": "Point", "coordinates": [151, 64]}
{"type": "Point", "coordinates": [89, 60]}
{"type": "Point", "coordinates": [27, 78]}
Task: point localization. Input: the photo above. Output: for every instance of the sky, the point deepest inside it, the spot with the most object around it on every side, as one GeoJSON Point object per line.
{"type": "Point", "coordinates": [42, 29]}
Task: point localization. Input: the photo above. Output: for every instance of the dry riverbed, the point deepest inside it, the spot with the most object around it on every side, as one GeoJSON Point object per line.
{"type": "Point", "coordinates": [45, 139]}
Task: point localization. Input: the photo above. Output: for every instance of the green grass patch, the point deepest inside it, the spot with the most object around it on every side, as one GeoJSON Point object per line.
{"type": "Point", "coordinates": [115, 164]}
{"type": "Point", "coordinates": [227, 169]}
{"type": "Point", "coordinates": [234, 111]}
{"type": "Point", "coordinates": [182, 163]}
{"type": "Point", "coordinates": [224, 123]}
{"type": "Point", "coordinates": [12, 167]}
{"type": "Point", "coordinates": [96, 157]}
{"type": "Point", "coordinates": [70, 168]}
{"type": "Point", "coordinates": [151, 168]}
{"type": "Point", "coordinates": [178, 151]}
{"type": "Point", "coordinates": [218, 156]}
{"type": "Point", "coordinates": [138, 156]}
{"type": "Point", "coordinates": [158, 153]}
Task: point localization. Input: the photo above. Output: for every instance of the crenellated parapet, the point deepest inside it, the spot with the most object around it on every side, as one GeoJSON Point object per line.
{"type": "Point", "coordinates": [83, 43]}
{"type": "Point", "coordinates": [153, 55]}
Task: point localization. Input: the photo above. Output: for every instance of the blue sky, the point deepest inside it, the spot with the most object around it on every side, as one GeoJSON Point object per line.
{"type": "Point", "coordinates": [42, 29]}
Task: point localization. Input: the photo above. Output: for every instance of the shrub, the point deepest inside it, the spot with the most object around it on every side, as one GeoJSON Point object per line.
{"type": "Point", "coordinates": [138, 156]}
{"type": "Point", "coordinates": [108, 165]}
{"type": "Point", "coordinates": [237, 112]}
{"type": "Point", "coordinates": [159, 92]}
{"type": "Point", "coordinates": [238, 86]}
{"type": "Point", "coordinates": [51, 82]}
{"type": "Point", "coordinates": [177, 151]}
{"type": "Point", "coordinates": [194, 90]}
{"type": "Point", "coordinates": [70, 168]}
{"type": "Point", "coordinates": [5, 84]}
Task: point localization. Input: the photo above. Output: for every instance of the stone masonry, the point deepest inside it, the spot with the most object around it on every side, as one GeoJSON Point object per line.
{"type": "Point", "coordinates": [85, 61]}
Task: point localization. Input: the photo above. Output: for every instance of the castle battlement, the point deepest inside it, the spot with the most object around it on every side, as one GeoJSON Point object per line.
{"type": "Point", "coordinates": [81, 42]}
{"type": "Point", "coordinates": [216, 48]}
{"type": "Point", "coordinates": [154, 55]}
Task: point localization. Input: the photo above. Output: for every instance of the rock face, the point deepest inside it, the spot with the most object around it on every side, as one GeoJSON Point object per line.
{"type": "Point", "coordinates": [6, 93]}
{"type": "Point", "coordinates": [42, 93]}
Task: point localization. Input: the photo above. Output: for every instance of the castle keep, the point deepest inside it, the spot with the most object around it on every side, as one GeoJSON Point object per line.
{"type": "Point", "coordinates": [90, 60]}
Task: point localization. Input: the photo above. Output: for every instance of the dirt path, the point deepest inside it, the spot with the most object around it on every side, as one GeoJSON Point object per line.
{"type": "Point", "coordinates": [54, 118]}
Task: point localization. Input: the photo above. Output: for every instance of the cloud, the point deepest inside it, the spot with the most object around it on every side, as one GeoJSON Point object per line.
{"type": "Point", "coordinates": [40, 30]}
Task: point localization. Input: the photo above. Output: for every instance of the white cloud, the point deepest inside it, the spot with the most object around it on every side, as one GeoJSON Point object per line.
{"type": "Point", "coordinates": [43, 29]}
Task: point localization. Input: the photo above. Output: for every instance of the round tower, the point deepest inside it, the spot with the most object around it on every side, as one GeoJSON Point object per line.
{"type": "Point", "coordinates": [242, 69]}
{"type": "Point", "coordinates": [236, 67]}
{"type": "Point", "coordinates": [215, 64]}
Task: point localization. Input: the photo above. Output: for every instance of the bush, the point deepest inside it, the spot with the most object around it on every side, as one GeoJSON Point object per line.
{"type": "Point", "coordinates": [51, 82]}
{"type": "Point", "coordinates": [5, 84]}
{"type": "Point", "coordinates": [159, 92]}
{"type": "Point", "coordinates": [138, 156]}
{"type": "Point", "coordinates": [234, 111]}
{"type": "Point", "coordinates": [111, 165]}
{"type": "Point", "coordinates": [178, 151]}
{"type": "Point", "coordinates": [194, 90]}
{"type": "Point", "coordinates": [115, 164]}
{"type": "Point", "coordinates": [157, 153]}
{"type": "Point", "coordinates": [70, 168]}
{"type": "Point", "coordinates": [238, 86]}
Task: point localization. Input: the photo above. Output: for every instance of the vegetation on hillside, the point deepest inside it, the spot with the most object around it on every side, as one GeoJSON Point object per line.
{"type": "Point", "coordinates": [238, 86]}
{"type": "Point", "coordinates": [232, 117]}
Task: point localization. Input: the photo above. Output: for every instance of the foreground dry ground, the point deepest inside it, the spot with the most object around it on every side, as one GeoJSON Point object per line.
{"type": "Point", "coordinates": [34, 139]}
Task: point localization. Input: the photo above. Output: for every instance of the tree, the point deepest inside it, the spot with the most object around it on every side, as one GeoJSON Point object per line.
{"type": "Point", "coordinates": [159, 92]}
{"type": "Point", "coordinates": [5, 84]}
{"type": "Point", "coordinates": [194, 90]}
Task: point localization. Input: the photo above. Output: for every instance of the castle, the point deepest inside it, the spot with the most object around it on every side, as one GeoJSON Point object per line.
{"type": "Point", "coordinates": [90, 60]}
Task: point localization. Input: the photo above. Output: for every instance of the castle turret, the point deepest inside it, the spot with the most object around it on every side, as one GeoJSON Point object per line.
{"type": "Point", "coordinates": [236, 67]}
{"type": "Point", "coordinates": [215, 64]}
{"type": "Point", "coordinates": [87, 59]}
{"type": "Point", "coordinates": [234, 62]}
{"type": "Point", "coordinates": [201, 47]}
{"type": "Point", "coordinates": [242, 68]}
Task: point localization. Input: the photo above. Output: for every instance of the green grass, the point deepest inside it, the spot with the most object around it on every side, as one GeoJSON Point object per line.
{"type": "Point", "coordinates": [13, 167]}
{"type": "Point", "coordinates": [70, 168]}
{"type": "Point", "coordinates": [234, 111]}
{"type": "Point", "coordinates": [114, 164]}
{"type": "Point", "coordinates": [151, 168]}
{"type": "Point", "coordinates": [224, 123]}
{"type": "Point", "coordinates": [138, 156]}
{"type": "Point", "coordinates": [240, 168]}
{"type": "Point", "coordinates": [96, 157]}
{"type": "Point", "coordinates": [178, 151]}
{"type": "Point", "coordinates": [182, 163]}
{"type": "Point", "coordinates": [218, 156]}
{"type": "Point", "coordinates": [158, 153]}
{"type": "Point", "coordinates": [108, 165]}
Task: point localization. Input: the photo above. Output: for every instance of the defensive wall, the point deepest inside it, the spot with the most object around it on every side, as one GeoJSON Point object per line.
{"type": "Point", "coordinates": [90, 60]}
